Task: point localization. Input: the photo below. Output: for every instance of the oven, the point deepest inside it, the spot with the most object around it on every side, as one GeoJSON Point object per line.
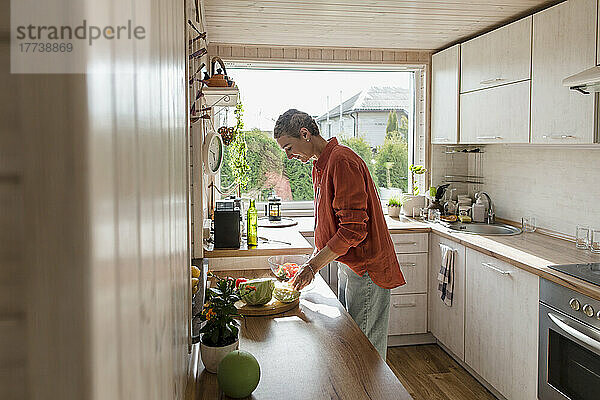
{"type": "Point", "coordinates": [569, 344]}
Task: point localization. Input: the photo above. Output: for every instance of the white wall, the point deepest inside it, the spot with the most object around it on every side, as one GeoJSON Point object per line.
{"type": "Point", "coordinates": [559, 186]}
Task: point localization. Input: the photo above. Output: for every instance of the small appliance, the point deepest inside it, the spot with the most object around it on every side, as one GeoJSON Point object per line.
{"type": "Point", "coordinates": [227, 225]}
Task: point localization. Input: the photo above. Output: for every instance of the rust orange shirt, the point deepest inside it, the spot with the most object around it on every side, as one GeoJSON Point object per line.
{"type": "Point", "coordinates": [349, 218]}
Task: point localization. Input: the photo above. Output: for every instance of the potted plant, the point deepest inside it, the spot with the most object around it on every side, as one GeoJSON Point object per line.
{"type": "Point", "coordinates": [394, 205]}
{"type": "Point", "coordinates": [220, 333]}
{"type": "Point", "coordinates": [413, 201]}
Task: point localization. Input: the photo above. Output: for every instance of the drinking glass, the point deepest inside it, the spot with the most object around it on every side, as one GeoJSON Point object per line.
{"type": "Point", "coordinates": [434, 215]}
{"type": "Point", "coordinates": [528, 224]}
{"type": "Point", "coordinates": [595, 241]}
{"type": "Point", "coordinates": [582, 236]}
{"type": "Point", "coordinates": [416, 212]}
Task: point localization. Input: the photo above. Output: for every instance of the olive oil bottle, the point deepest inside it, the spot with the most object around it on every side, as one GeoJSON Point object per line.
{"type": "Point", "coordinates": [252, 228]}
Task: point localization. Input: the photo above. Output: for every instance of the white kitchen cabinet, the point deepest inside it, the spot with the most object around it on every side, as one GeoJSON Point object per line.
{"type": "Point", "coordinates": [414, 269]}
{"type": "Point", "coordinates": [446, 323]}
{"type": "Point", "coordinates": [501, 325]}
{"type": "Point", "coordinates": [408, 303]}
{"type": "Point", "coordinates": [496, 115]}
{"type": "Point", "coordinates": [445, 69]}
{"type": "Point", "coordinates": [408, 314]}
{"type": "Point", "coordinates": [498, 57]}
{"type": "Point", "coordinates": [564, 43]}
{"type": "Point", "coordinates": [410, 242]}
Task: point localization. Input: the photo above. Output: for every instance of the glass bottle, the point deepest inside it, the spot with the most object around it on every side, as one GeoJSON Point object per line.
{"type": "Point", "coordinates": [252, 221]}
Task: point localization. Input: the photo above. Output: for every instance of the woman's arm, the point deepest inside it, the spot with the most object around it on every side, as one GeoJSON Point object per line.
{"type": "Point", "coordinates": [308, 271]}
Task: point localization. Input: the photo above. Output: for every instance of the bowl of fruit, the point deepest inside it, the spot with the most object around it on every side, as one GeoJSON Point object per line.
{"type": "Point", "coordinates": [286, 267]}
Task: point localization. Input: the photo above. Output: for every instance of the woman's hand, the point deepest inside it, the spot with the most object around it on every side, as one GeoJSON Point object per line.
{"type": "Point", "coordinates": [304, 277]}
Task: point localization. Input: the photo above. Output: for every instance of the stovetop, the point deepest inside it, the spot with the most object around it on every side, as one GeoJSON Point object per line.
{"type": "Point", "coordinates": [588, 272]}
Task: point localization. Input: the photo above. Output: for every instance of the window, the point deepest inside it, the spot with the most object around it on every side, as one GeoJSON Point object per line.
{"type": "Point", "coordinates": [369, 110]}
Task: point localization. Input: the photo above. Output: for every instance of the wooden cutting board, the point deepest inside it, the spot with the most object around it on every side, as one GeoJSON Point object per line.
{"type": "Point", "coordinates": [271, 308]}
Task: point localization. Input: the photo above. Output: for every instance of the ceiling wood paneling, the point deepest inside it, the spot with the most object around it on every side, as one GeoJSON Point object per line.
{"type": "Point", "coordinates": [394, 24]}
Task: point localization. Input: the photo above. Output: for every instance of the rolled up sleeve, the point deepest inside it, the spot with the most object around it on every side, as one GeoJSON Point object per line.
{"type": "Point", "coordinates": [349, 205]}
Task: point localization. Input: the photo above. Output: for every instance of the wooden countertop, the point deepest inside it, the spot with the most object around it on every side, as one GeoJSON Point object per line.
{"type": "Point", "coordinates": [532, 252]}
{"type": "Point", "coordinates": [298, 245]}
{"type": "Point", "coordinates": [312, 352]}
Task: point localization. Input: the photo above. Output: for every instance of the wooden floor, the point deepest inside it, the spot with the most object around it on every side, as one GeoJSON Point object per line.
{"type": "Point", "coordinates": [428, 373]}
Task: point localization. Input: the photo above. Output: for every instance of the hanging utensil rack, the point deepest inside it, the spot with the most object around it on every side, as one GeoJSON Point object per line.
{"type": "Point", "coordinates": [474, 164]}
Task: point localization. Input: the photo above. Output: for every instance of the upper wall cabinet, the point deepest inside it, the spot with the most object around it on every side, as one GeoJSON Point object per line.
{"type": "Point", "coordinates": [444, 92]}
{"type": "Point", "coordinates": [564, 43]}
{"type": "Point", "coordinates": [498, 57]}
{"type": "Point", "coordinates": [496, 115]}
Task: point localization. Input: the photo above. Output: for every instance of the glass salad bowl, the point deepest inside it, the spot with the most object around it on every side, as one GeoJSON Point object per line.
{"type": "Point", "coordinates": [286, 267]}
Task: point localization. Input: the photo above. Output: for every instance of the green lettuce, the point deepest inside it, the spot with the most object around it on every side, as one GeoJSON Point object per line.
{"type": "Point", "coordinates": [285, 294]}
{"type": "Point", "coordinates": [257, 291]}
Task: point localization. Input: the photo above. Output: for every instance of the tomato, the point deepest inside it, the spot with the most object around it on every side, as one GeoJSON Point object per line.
{"type": "Point", "coordinates": [287, 271]}
{"type": "Point", "coordinates": [240, 280]}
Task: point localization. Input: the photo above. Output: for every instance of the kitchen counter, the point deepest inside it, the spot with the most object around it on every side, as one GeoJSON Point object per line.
{"type": "Point", "coordinates": [298, 245]}
{"type": "Point", "coordinates": [312, 352]}
{"type": "Point", "coordinates": [532, 252]}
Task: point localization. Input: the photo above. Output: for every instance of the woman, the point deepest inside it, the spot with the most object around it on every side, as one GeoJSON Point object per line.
{"type": "Point", "coordinates": [349, 226]}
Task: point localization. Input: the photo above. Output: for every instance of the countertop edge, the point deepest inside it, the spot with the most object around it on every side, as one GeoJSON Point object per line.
{"type": "Point", "coordinates": [540, 270]}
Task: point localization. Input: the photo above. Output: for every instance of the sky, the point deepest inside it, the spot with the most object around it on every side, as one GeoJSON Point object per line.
{"type": "Point", "coordinates": [265, 94]}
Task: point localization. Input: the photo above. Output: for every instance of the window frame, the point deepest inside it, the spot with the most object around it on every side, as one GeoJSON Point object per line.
{"type": "Point", "coordinates": [417, 116]}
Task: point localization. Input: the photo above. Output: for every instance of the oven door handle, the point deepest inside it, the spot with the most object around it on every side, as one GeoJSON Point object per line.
{"type": "Point", "coordinates": [590, 337]}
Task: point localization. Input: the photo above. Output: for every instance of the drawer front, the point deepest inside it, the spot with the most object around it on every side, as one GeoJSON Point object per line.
{"type": "Point", "coordinates": [410, 242]}
{"type": "Point", "coordinates": [414, 269]}
{"type": "Point", "coordinates": [408, 314]}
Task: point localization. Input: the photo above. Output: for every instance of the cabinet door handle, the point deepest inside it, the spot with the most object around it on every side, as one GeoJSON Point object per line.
{"type": "Point", "coordinates": [442, 139]}
{"type": "Point", "coordinates": [409, 243]}
{"type": "Point", "coordinates": [408, 264]}
{"type": "Point", "coordinates": [559, 137]}
{"type": "Point", "coordinates": [407, 305]}
{"type": "Point", "coordinates": [493, 80]}
{"type": "Point", "coordinates": [488, 137]}
{"type": "Point", "coordinates": [494, 268]}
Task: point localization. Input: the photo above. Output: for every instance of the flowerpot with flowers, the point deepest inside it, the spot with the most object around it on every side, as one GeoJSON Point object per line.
{"type": "Point", "coordinates": [414, 201]}
{"type": "Point", "coordinates": [220, 333]}
{"type": "Point", "coordinates": [394, 205]}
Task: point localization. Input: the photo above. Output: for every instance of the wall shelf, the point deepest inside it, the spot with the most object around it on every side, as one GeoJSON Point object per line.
{"type": "Point", "coordinates": [221, 96]}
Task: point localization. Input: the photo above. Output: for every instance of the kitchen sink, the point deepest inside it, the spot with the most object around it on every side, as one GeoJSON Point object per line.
{"type": "Point", "coordinates": [484, 229]}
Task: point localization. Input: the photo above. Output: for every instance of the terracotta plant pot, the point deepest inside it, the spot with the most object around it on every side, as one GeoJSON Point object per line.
{"type": "Point", "coordinates": [411, 202]}
{"type": "Point", "coordinates": [393, 210]}
{"type": "Point", "coordinates": [212, 356]}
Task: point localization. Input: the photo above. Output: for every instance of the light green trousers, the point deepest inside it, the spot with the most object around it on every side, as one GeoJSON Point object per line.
{"type": "Point", "coordinates": [367, 303]}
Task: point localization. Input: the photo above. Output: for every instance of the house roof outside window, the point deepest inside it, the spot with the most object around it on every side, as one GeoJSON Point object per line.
{"type": "Point", "coordinates": [373, 99]}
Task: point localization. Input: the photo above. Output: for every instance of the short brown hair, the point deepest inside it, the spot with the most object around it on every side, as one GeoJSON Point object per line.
{"type": "Point", "coordinates": [290, 122]}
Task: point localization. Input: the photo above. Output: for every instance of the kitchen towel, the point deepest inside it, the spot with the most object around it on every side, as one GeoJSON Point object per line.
{"type": "Point", "coordinates": [446, 274]}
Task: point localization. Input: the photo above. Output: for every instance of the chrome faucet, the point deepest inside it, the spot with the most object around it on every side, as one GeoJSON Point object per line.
{"type": "Point", "coordinates": [491, 215]}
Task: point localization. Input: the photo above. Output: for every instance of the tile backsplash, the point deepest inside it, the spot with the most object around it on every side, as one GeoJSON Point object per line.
{"type": "Point", "coordinates": [560, 186]}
